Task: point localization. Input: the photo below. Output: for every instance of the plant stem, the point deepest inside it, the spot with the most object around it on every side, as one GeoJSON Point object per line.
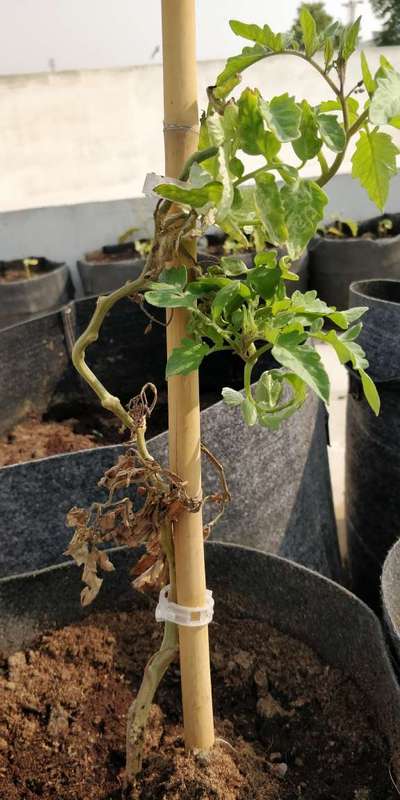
{"type": "Point", "coordinates": [91, 334]}
{"type": "Point", "coordinates": [153, 674]}
{"type": "Point", "coordinates": [252, 174]}
{"type": "Point", "coordinates": [247, 379]}
{"type": "Point", "coordinates": [358, 123]}
{"type": "Point", "coordinates": [197, 158]}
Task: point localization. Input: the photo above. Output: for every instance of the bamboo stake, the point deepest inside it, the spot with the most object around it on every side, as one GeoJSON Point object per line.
{"type": "Point", "coordinates": [181, 137]}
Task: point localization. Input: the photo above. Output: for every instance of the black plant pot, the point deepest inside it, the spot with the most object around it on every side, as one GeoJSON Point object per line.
{"type": "Point", "coordinates": [373, 443]}
{"type": "Point", "coordinates": [339, 628]}
{"type": "Point", "coordinates": [391, 597]}
{"type": "Point", "coordinates": [336, 263]}
{"type": "Point", "coordinates": [23, 299]}
{"type": "Point", "coordinates": [103, 277]}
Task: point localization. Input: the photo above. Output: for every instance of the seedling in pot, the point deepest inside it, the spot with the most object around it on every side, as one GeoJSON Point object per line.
{"type": "Point", "coordinates": [28, 263]}
{"type": "Point", "coordinates": [229, 307]}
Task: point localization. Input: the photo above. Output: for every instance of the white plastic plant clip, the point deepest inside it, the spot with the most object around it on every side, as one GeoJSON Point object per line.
{"type": "Point", "coordinates": [152, 180]}
{"type": "Point", "coordinates": [167, 611]}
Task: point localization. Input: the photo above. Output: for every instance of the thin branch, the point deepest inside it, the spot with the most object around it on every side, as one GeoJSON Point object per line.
{"type": "Point", "coordinates": [91, 334]}
{"type": "Point", "coordinates": [153, 674]}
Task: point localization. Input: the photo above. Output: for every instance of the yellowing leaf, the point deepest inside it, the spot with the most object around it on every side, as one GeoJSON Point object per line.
{"type": "Point", "coordinates": [374, 164]}
{"type": "Point", "coordinates": [282, 116]}
{"type": "Point", "coordinates": [385, 103]}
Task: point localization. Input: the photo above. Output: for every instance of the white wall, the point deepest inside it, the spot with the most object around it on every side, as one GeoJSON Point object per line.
{"type": "Point", "coordinates": [78, 137]}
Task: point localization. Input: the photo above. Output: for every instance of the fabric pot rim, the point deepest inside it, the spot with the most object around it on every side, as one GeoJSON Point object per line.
{"type": "Point", "coordinates": [359, 287]}
{"type": "Point", "coordinates": [57, 266]}
{"type": "Point", "coordinates": [329, 619]}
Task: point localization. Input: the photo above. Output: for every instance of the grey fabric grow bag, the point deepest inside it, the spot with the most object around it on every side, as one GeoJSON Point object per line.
{"type": "Point", "coordinates": [336, 263]}
{"type": "Point", "coordinates": [373, 443]}
{"type": "Point", "coordinates": [391, 597]}
{"type": "Point", "coordinates": [24, 299]}
{"type": "Point", "coordinates": [334, 623]}
{"type": "Point", "coordinates": [280, 485]}
{"type": "Point", "coordinates": [105, 277]}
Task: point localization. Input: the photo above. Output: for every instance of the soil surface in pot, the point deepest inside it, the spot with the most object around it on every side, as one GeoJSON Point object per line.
{"type": "Point", "coordinates": [67, 429]}
{"type": "Point", "coordinates": [288, 726]}
{"type": "Point", "coordinates": [12, 271]}
{"type": "Point", "coordinates": [109, 254]}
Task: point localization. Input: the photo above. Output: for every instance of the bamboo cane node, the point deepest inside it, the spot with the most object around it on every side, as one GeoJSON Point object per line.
{"type": "Point", "coordinates": [189, 617]}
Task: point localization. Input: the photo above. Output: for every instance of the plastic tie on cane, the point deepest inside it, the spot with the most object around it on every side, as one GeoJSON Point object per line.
{"type": "Point", "coordinates": [167, 611]}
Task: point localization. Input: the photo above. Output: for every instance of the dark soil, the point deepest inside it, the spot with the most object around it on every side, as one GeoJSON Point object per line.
{"type": "Point", "coordinates": [37, 438]}
{"type": "Point", "coordinates": [67, 429]}
{"type": "Point", "coordinates": [12, 271]}
{"type": "Point", "coordinates": [288, 726]}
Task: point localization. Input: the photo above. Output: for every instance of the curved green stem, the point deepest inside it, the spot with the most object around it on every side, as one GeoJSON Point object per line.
{"type": "Point", "coordinates": [197, 158]}
{"type": "Point", "coordinates": [247, 379]}
{"type": "Point", "coordinates": [253, 174]}
{"type": "Point", "coordinates": [154, 672]}
{"type": "Point", "coordinates": [91, 334]}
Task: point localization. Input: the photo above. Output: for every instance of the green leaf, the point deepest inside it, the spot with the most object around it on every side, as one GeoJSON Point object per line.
{"type": "Point", "coordinates": [221, 91]}
{"type": "Point", "coordinates": [194, 197]}
{"type": "Point", "coordinates": [249, 412]}
{"type": "Point", "coordinates": [352, 333]}
{"type": "Point", "coordinates": [304, 204]}
{"type": "Point", "coordinates": [236, 64]}
{"type": "Point", "coordinates": [268, 389]}
{"type": "Point", "coordinates": [236, 167]}
{"type": "Point", "coordinates": [264, 280]}
{"type": "Point", "coordinates": [332, 133]}
{"type": "Point", "coordinates": [288, 173]}
{"type": "Point", "coordinates": [309, 303]}
{"type": "Point", "coordinates": [270, 145]}
{"type": "Point", "coordinates": [226, 200]}
{"type": "Point", "coordinates": [385, 63]}
{"type": "Point", "coordinates": [263, 36]}
{"type": "Point", "coordinates": [369, 82]}
{"type": "Point", "coordinates": [250, 122]}
{"type": "Point", "coordinates": [166, 296]}
{"type": "Point", "coordinates": [253, 32]}
{"type": "Point", "coordinates": [349, 39]}
{"type": "Point", "coordinates": [385, 103]}
{"type": "Point", "coordinates": [233, 265]}
{"type": "Point", "coordinates": [268, 258]}
{"type": "Point", "coordinates": [283, 116]}
{"type": "Point", "coordinates": [176, 276]}
{"type": "Point", "coordinates": [186, 358]}
{"type": "Point", "coordinates": [275, 416]}
{"type": "Point", "coordinates": [308, 144]}
{"type": "Point", "coordinates": [344, 318]}
{"type": "Point", "coordinates": [302, 359]}
{"type": "Point", "coordinates": [269, 206]}
{"type": "Point", "coordinates": [348, 350]}
{"type": "Point", "coordinates": [370, 391]}
{"type": "Point", "coordinates": [207, 284]}
{"type": "Point", "coordinates": [334, 105]}
{"type": "Point", "coordinates": [309, 29]}
{"type": "Point", "coordinates": [232, 397]}
{"type": "Point", "coordinates": [228, 298]}
{"type": "Point", "coordinates": [329, 50]}
{"type": "Point", "coordinates": [374, 164]}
